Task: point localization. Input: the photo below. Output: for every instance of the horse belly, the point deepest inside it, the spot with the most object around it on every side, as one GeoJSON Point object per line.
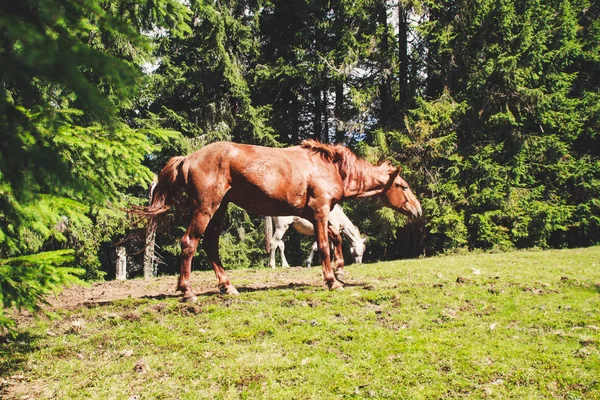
{"type": "Point", "coordinates": [266, 187]}
{"type": "Point", "coordinates": [257, 201]}
{"type": "Point", "coordinates": [303, 226]}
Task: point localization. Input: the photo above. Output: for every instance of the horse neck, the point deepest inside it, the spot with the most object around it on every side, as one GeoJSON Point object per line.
{"type": "Point", "coordinates": [374, 179]}
{"type": "Point", "coordinates": [352, 232]}
{"type": "Point", "coordinates": [347, 227]}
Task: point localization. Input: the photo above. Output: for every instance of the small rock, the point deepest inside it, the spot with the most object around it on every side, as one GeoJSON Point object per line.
{"type": "Point", "coordinates": [141, 367]}
{"type": "Point", "coordinates": [127, 353]}
{"type": "Point", "coordinates": [76, 326]}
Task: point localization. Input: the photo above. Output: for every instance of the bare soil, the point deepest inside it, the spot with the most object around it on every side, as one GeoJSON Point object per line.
{"type": "Point", "coordinates": [108, 291]}
{"type": "Point", "coordinates": [203, 283]}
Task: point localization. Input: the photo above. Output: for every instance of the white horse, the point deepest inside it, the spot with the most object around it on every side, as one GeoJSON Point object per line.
{"type": "Point", "coordinates": [337, 219]}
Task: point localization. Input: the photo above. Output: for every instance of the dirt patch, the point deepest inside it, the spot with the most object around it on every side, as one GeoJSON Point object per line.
{"type": "Point", "coordinates": [203, 283]}
{"type": "Point", "coordinates": [105, 292]}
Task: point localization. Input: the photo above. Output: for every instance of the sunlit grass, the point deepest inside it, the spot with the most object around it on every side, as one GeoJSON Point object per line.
{"type": "Point", "coordinates": [515, 325]}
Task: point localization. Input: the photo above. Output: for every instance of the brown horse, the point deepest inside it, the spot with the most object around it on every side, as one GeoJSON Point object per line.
{"type": "Point", "coordinates": [306, 180]}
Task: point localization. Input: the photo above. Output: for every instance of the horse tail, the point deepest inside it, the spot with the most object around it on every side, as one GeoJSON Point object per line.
{"type": "Point", "coordinates": [167, 184]}
{"type": "Point", "coordinates": [161, 193]}
{"type": "Point", "coordinates": [268, 233]}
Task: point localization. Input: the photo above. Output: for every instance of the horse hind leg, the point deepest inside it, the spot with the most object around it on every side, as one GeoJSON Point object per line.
{"type": "Point", "coordinates": [277, 243]}
{"type": "Point", "coordinates": [189, 243]}
{"type": "Point", "coordinates": [211, 246]}
{"type": "Point", "coordinates": [284, 261]}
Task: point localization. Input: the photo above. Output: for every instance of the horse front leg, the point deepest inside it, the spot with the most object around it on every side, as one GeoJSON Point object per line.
{"type": "Point", "coordinates": [189, 243]}
{"type": "Point", "coordinates": [323, 244]}
{"type": "Point", "coordinates": [211, 246]}
{"type": "Point", "coordinates": [338, 254]}
{"type": "Point", "coordinates": [313, 250]}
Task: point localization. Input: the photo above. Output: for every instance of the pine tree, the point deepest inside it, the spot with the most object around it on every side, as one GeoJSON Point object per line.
{"type": "Point", "coordinates": [515, 168]}
{"type": "Point", "coordinates": [69, 72]}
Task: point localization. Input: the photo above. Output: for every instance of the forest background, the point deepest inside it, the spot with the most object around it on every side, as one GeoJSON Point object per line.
{"type": "Point", "coordinates": [492, 108]}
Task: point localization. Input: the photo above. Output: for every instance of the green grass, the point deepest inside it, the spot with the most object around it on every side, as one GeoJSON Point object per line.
{"type": "Point", "coordinates": [527, 326]}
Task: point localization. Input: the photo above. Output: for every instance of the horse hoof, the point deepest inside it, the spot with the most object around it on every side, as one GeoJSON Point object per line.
{"type": "Point", "coordinates": [189, 299]}
{"type": "Point", "coordinates": [230, 289]}
{"type": "Point", "coordinates": [337, 285]}
{"type": "Point", "coordinates": [340, 272]}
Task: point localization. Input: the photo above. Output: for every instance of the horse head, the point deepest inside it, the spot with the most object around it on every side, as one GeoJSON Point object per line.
{"type": "Point", "coordinates": [397, 195]}
{"type": "Point", "coordinates": [357, 249]}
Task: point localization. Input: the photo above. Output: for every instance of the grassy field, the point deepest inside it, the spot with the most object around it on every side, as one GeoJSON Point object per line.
{"type": "Point", "coordinates": [514, 325]}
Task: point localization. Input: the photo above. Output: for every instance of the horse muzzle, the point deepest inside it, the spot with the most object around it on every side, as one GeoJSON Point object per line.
{"type": "Point", "coordinates": [414, 209]}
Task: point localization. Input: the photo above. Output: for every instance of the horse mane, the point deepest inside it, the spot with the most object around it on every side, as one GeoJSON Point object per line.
{"type": "Point", "coordinates": [351, 167]}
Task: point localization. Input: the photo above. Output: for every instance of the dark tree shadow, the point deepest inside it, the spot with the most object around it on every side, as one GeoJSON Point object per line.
{"type": "Point", "coordinates": [14, 353]}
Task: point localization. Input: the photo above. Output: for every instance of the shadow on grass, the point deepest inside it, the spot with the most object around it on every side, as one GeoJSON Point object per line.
{"type": "Point", "coordinates": [303, 287]}
{"type": "Point", "coordinates": [13, 356]}
{"type": "Point", "coordinates": [292, 286]}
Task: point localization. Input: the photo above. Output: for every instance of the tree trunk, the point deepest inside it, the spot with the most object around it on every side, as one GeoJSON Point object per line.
{"type": "Point", "coordinates": [149, 258]}
{"type": "Point", "coordinates": [434, 85]}
{"type": "Point", "coordinates": [385, 87]}
{"type": "Point", "coordinates": [339, 116]}
{"type": "Point", "coordinates": [326, 114]}
{"type": "Point", "coordinates": [295, 118]}
{"type": "Point", "coordinates": [121, 274]}
{"type": "Point", "coordinates": [318, 117]}
{"type": "Point", "coordinates": [339, 112]}
{"type": "Point", "coordinates": [403, 58]}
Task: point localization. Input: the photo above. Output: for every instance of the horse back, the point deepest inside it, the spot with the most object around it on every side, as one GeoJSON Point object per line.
{"type": "Point", "coordinates": [283, 181]}
{"type": "Point", "coordinates": [263, 180]}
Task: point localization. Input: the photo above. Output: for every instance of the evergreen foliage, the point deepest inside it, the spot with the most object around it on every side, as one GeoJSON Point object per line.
{"type": "Point", "coordinates": [26, 281]}
{"type": "Point", "coordinates": [491, 107]}
{"type": "Point", "coordinates": [519, 176]}
{"type": "Point", "coordinates": [68, 156]}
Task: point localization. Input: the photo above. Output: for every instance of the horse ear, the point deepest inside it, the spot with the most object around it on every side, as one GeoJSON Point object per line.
{"type": "Point", "coordinates": [391, 179]}
{"type": "Point", "coordinates": [365, 239]}
{"type": "Point", "coordinates": [395, 174]}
